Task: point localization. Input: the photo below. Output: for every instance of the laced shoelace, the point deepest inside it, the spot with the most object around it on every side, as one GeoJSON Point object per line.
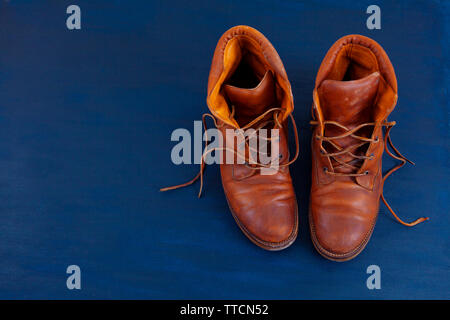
{"type": "Point", "coordinates": [348, 151]}
{"type": "Point", "coordinates": [249, 161]}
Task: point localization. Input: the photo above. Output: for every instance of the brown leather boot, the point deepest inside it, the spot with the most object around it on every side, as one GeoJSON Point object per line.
{"type": "Point", "coordinates": [248, 89]}
{"type": "Point", "coordinates": [355, 91]}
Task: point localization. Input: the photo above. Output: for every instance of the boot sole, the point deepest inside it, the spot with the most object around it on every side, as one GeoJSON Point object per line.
{"type": "Point", "coordinates": [336, 256]}
{"type": "Point", "coordinates": [270, 246]}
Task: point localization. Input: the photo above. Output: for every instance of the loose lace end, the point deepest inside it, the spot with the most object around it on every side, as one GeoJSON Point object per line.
{"type": "Point", "coordinates": [412, 224]}
{"type": "Point", "coordinates": [183, 184]}
{"type": "Point", "coordinates": [420, 220]}
{"type": "Point", "coordinates": [169, 188]}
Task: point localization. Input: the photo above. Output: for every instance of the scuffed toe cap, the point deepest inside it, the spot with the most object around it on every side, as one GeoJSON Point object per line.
{"type": "Point", "coordinates": [340, 235]}
{"type": "Point", "coordinates": [342, 218]}
{"type": "Point", "coordinates": [267, 213]}
{"type": "Point", "coordinates": [274, 224]}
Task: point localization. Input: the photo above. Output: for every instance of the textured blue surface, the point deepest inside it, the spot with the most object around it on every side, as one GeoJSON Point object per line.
{"type": "Point", "coordinates": [85, 124]}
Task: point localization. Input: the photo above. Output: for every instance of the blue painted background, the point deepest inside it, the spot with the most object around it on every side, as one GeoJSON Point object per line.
{"type": "Point", "coordinates": [85, 124]}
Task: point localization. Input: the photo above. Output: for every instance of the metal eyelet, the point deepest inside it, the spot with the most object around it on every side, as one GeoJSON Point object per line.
{"type": "Point", "coordinates": [376, 139]}
{"type": "Point", "coordinates": [325, 169]}
{"type": "Point", "coordinates": [322, 152]}
{"type": "Point", "coordinates": [372, 156]}
{"type": "Point", "coordinates": [366, 173]}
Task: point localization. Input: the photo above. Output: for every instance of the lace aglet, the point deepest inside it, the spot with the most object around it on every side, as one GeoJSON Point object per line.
{"type": "Point", "coordinates": [175, 187]}
{"type": "Point", "coordinates": [172, 187]}
{"type": "Point", "coordinates": [420, 220]}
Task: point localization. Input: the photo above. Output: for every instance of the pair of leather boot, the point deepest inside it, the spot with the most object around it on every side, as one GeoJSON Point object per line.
{"type": "Point", "coordinates": [355, 91]}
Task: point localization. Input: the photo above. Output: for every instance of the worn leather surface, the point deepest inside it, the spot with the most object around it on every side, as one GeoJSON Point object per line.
{"type": "Point", "coordinates": [86, 120]}
{"type": "Point", "coordinates": [355, 84]}
{"type": "Point", "coordinates": [264, 206]}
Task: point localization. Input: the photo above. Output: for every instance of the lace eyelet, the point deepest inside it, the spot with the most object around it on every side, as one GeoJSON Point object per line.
{"type": "Point", "coordinates": [317, 138]}
{"type": "Point", "coordinates": [372, 156]}
{"type": "Point", "coordinates": [376, 139]}
{"type": "Point", "coordinates": [366, 172]}
{"type": "Point", "coordinates": [325, 169]}
{"type": "Point", "coordinates": [280, 156]}
{"type": "Point", "coordinates": [322, 152]}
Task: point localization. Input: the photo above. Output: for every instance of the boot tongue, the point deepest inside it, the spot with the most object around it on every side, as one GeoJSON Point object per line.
{"type": "Point", "coordinates": [251, 103]}
{"type": "Point", "coordinates": [350, 104]}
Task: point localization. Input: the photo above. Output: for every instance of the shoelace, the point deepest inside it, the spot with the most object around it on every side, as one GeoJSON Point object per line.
{"type": "Point", "coordinates": [348, 151]}
{"type": "Point", "coordinates": [247, 160]}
